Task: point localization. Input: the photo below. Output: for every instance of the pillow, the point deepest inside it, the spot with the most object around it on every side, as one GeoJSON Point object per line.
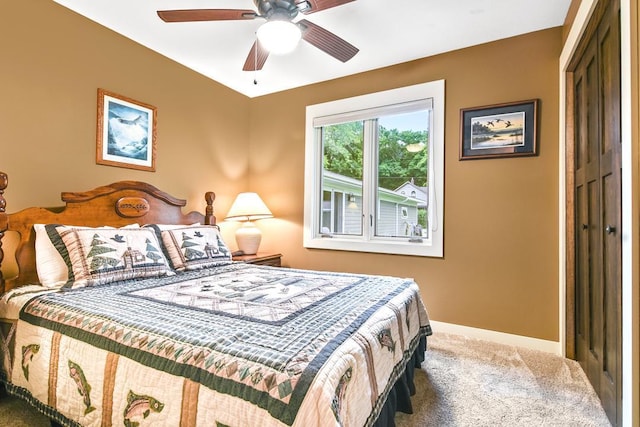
{"type": "Point", "coordinates": [98, 256]}
{"type": "Point", "coordinates": [51, 267]}
{"type": "Point", "coordinates": [195, 247]}
{"type": "Point", "coordinates": [159, 228]}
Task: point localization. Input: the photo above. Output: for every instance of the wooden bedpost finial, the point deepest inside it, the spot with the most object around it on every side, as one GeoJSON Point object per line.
{"type": "Point", "coordinates": [209, 217]}
{"type": "Point", "coordinates": [4, 221]}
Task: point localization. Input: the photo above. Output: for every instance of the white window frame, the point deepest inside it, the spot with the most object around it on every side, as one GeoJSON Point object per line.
{"type": "Point", "coordinates": [349, 108]}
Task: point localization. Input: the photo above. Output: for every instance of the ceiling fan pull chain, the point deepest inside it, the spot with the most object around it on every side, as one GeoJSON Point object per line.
{"type": "Point", "coordinates": [255, 62]}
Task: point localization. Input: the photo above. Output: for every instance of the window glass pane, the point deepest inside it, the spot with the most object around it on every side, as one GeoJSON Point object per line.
{"type": "Point", "coordinates": [342, 153]}
{"type": "Point", "coordinates": [403, 157]}
{"type": "Point", "coordinates": [326, 219]}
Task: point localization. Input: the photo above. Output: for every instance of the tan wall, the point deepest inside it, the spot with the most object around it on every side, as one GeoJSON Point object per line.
{"type": "Point", "coordinates": [500, 270]}
{"type": "Point", "coordinates": [52, 63]}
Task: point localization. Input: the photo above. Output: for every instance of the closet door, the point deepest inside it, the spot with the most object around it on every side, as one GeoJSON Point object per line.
{"type": "Point", "coordinates": [598, 210]}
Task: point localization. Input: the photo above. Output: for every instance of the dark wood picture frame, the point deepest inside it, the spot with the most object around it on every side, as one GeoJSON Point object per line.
{"type": "Point", "coordinates": [125, 132]}
{"type": "Point", "coordinates": [501, 130]}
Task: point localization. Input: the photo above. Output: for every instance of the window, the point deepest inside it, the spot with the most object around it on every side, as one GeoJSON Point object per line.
{"type": "Point", "coordinates": [364, 155]}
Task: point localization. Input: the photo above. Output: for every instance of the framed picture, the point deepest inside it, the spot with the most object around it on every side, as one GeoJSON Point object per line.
{"type": "Point", "coordinates": [126, 132]}
{"type": "Point", "coordinates": [503, 130]}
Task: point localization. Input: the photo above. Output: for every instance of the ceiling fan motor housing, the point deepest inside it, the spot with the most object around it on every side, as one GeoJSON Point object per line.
{"type": "Point", "coordinates": [282, 10]}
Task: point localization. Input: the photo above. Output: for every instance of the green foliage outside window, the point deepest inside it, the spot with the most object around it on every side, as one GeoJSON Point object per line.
{"type": "Point", "coordinates": [343, 154]}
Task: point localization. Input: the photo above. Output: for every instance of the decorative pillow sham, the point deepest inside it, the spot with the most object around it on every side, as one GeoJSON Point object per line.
{"type": "Point", "coordinates": [103, 255]}
{"type": "Point", "coordinates": [195, 247]}
{"type": "Point", "coordinates": [52, 268]}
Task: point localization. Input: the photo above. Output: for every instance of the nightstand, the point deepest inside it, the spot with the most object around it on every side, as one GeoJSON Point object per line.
{"type": "Point", "coordinates": [260, 259]}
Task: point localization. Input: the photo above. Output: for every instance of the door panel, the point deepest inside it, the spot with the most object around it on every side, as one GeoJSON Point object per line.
{"type": "Point", "coordinates": [597, 195]}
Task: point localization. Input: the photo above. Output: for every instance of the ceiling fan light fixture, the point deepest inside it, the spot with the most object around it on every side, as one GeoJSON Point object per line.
{"type": "Point", "coordinates": [279, 37]}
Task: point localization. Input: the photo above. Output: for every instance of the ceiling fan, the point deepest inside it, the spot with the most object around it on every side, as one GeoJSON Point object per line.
{"type": "Point", "coordinates": [275, 11]}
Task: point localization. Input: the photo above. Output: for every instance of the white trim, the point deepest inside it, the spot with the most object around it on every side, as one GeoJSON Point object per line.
{"type": "Point", "coordinates": [498, 337]}
{"type": "Point", "coordinates": [628, 257]}
{"type": "Point", "coordinates": [372, 112]}
{"type": "Point", "coordinates": [562, 215]}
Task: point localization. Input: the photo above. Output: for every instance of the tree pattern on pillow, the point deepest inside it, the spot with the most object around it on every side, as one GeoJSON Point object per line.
{"type": "Point", "coordinates": [103, 254]}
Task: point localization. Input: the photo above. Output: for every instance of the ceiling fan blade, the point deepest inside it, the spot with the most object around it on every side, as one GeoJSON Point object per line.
{"type": "Point", "coordinates": [256, 61]}
{"type": "Point", "coordinates": [327, 41]}
{"type": "Point", "coordinates": [311, 6]}
{"type": "Point", "coordinates": [206, 15]}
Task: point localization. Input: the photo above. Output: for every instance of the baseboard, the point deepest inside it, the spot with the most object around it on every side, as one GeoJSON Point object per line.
{"type": "Point", "coordinates": [499, 337]}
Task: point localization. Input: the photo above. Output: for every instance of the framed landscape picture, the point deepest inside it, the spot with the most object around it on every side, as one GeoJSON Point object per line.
{"type": "Point", "coordinates": [126, 132]}
{"type": "Point", "coordinates": [503, 130]}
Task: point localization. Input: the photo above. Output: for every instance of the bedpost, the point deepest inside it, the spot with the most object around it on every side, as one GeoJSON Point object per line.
{"type": "Point", "coordinates": [4, 222]}
{"type": "Point", "coordinates": [209, 217]}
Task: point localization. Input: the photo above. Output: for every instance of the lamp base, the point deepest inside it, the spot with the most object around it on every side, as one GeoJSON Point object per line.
{"type": "Point", "coordinates": [248, 238]}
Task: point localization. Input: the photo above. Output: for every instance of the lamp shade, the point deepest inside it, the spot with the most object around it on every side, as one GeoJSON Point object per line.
{"type": "Point", "coordinates": [248, 207]}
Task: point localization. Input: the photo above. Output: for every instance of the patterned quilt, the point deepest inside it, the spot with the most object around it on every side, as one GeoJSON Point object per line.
{"type": "Point", "coordinates": [238, 345]}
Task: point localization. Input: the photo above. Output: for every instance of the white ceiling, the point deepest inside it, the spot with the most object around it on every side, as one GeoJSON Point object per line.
{"type": "Point", "coordinates": [387, 32]}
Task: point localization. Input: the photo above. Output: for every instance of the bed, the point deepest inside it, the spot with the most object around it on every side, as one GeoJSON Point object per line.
{"type": "Point", "coordinates": [127, 311]}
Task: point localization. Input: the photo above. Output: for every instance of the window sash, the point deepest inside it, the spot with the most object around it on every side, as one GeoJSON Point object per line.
{"type": "Point", "coordinates": [367, 107]}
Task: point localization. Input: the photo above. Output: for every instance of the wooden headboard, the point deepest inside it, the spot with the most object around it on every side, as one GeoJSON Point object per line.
{"type": "Point", "coordinates": [116, 205]}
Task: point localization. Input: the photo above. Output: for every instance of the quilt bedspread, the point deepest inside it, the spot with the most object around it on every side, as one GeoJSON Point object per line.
{"type": "Point", "coordinates": [231, 346]}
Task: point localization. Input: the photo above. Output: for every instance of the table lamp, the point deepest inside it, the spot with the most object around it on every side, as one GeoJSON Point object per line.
{"type": "Point", "coordinates": [248, 207]}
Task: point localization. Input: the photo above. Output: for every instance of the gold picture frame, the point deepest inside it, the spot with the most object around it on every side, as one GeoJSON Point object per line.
{"type": "Point", "coordinates": [126, 132]}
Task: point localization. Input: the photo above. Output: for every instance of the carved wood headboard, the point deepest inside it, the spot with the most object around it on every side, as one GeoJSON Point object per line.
{"type": "Point", "coordinates": [116, 205]}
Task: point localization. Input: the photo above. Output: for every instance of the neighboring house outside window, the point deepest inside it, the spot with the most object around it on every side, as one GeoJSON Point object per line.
{"type": "Point", "coordinates": [363, 156]}
{"type": "Point", "coordinates": [340, 215]}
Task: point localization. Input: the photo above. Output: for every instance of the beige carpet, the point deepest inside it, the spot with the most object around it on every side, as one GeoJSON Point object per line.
{"type": "Point", "coordinates": [469, 382]}
{"type": "Point", "coordinates": [466, 382]}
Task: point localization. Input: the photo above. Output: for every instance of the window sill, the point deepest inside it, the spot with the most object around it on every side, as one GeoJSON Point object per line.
{"type": "Point", "coordinates": [426, 248]}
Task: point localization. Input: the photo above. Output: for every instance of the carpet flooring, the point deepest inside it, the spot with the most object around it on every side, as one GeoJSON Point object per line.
{"type": "Point", "coordinates": [465, 382]}
{"type": "Point", "coordinates": [470, 382]}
